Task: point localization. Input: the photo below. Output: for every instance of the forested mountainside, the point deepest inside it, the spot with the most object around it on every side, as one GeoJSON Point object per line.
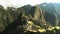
{"type": "Point", "coordinates": [39, 19]}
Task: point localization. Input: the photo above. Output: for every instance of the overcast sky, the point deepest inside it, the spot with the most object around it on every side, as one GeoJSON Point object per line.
{"type": "Point", "coordinates": [19, 3]}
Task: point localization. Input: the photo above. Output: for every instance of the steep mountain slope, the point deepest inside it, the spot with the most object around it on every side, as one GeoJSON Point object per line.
{"type": "Point", "coordinates": [37, 15]}
{"type": "Point", "coordinates": [7, 16]}
{"type": "Point", "coordinates": [10, 14]}
{"type": "Point", "coordinates": [51, 12]}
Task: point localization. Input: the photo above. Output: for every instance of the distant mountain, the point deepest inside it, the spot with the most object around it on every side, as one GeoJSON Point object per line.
{"type": "Point", "coordinates": [50, 8]}
{"type": "Point", "coordinates": [57, 5]}
{"type": "Point", "coordinates": [25, 8]}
